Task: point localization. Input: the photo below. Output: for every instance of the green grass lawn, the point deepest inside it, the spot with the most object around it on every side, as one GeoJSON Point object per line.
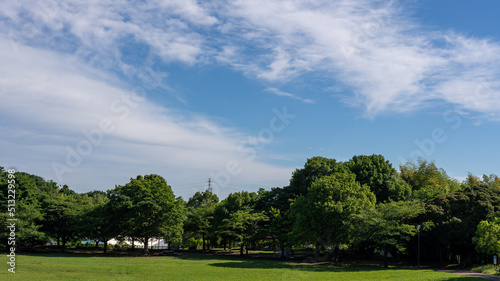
{"type": "Point", "coordinates": [196, 267]}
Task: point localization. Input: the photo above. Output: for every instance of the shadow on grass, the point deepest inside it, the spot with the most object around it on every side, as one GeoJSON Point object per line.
{"type": "Point", "coordinates": [249, 263]}
{"type": "Point", "coordinates": [241, 262]}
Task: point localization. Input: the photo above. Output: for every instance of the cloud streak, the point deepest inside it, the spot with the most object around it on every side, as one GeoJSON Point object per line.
{"type": "Point", "coordinates": [285, 94]}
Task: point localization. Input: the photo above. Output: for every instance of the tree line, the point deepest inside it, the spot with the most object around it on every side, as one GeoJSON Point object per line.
{"type": "Point", "coordinates": [362, 207]}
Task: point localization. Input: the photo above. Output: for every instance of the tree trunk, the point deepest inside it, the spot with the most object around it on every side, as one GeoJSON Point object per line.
{"type": "Point", "coordinates": [203, 239]}
{"type": "Point", "coordinates": [282, 247]}
{"type": "Point", "coordinates": [241, 249]}
{"type": "Point", "coordinates": [246, 250]}
{"type": "Point", "coordinates": [386, 265]}
{"type": "Point", "coordinates": [317, 249]}
{"type": "Point", "coordinates": [105, 246]}
{"type": "Point", "coordinates": [63, 243]}
{"type": "Point", "coordinates": [224, 241]}
{"type": "Point", "coordinates": [146, 245]}
{"type": "Point", "coordinates": [336, 253]}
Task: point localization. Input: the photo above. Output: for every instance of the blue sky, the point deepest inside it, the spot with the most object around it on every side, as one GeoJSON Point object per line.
{"type": "Point", "coordinates": [96, 92]}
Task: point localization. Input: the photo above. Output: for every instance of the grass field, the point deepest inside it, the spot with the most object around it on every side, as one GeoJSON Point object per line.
{"type": "Point", "coordinates": [197, 267]}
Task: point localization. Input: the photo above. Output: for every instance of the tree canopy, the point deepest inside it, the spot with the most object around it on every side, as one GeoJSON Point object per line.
{"type": "Point", "coordinates": [147, 206]}
{"type": "Point", "coordinates": [363, 205]}
{"type": "Point", "coordinates": [328, 210]}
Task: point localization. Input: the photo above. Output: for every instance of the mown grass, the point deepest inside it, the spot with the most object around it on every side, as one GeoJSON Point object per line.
{"type": "Point", "coordinates": [197, 267]}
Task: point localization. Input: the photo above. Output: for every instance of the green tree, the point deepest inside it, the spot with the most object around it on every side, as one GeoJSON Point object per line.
{"type": "Point", "coordinates": [456, 216]}
{"type": "Point", "coordinates": [147, 208]}
{"type": "Point", "coordinates": [233, 203]}
{"type": "Point", "coordinates": [329, 209]}
{"type": "Point", "coordinates": [491, 180]}
{"type": "Point", "coordinates": [276, 206]}
{"type": "Point", "coordinates": [173, 229]}
{"type": "Point", "coordinates": [380, 176]}
{"type": "Point", "coordinates": [314, 168]}
{"type": "Point", "coordinates": [99, 221]}
{"type": "Point", "coordinates": [243, 225]}
{"type": "Point", "coordinates": [200, 214]}
{"type": "Point", "coordinates": [62, 215]}
{"type": "Point", "coordinates": [487, 238]}
{"type": "Point", "coordinates": [427, 180]}
{"type": "Point", "coordinates": [27, 209]}
{"type": "Point", "coordinates": [388, 226]}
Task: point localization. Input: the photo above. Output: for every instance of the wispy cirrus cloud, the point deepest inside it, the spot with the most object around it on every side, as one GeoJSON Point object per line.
{"type": "Point", "coordinates": [389, 62]}
{"type": "Point", "coordinates": [61, 63]}
{"type": "Point", "coordinates": [102, 31]}
{"type": "Point", "coordinates": [289, 95]}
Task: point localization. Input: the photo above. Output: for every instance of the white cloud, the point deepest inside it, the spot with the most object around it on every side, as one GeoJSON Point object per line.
{"type": "Point", "coordinates": [49, 99]}
{"type": "Point", "coordinates": [285, 94]}
{"type": "Point", "coordinates": [370, 46]}
{"type": "Point", "coordinates": [98, 28]}
{"type": "Point", "coordinates": [389, 62]}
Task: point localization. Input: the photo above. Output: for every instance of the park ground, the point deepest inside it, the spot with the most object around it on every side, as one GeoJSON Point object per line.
{"type": "Point", "coordinates": [189, 266]}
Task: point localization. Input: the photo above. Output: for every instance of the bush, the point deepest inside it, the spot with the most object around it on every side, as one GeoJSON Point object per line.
{"type": "Point", "coordinates": [488, 269]}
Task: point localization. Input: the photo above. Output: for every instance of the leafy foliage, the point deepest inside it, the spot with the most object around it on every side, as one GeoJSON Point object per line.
{"type": "Point", "coordinates": [487, 238]}
{"type": "Point", "coordinates": [388, 226]}
{"type": "Point", "coordinates": [380, 176]}
{"type": "Point", "coordinates": [456, 216]}
{"type": "Point", "coordinates": [313, 170]}
{"type": "Point", "coordinates": [200, 213]}
{"type": "Point", "coordinates": [363, 202]}
{"type": "Point", "coordinates": [147, 208]}
{"type": "Point", "coordinates": [423, 174]}
{"type": "Point", "coordinates": [328, 210]}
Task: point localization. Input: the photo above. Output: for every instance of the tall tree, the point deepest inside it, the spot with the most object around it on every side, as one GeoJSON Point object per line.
{"type": "Point", "coordinates": [200, 214]}
{"type": "Point", "coordinates": [380, 176]}
{"type": "Point", "coordinates": [62, 215]}
{"type": "Point", "coordinates": [99, 222]}
{"type": "Point", "coordinates": [426, 180]}
{"type": "Point", "coordinates": [233, 203]}
{"type": "Point", "coordinates": [388, 226]}
{"type": "Point", "coordinates": [487, 238]}
{"type": "Point", "coordinates": [173, 229]}
{"type": "Point", "coordinates": [329, 209]}
{"type": "Point", "coordinates": [243, 225]}
{"type": "Point", "coordinates": [27, 208]}
{"type": "Point", "coordinates": [276, 206]}
{"type": "Point", "coordinates": [147, 206]}
{"type": "Point", "coordinates": [456, 216]}
{"type": "Point", "coordinates": [314, 168]}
